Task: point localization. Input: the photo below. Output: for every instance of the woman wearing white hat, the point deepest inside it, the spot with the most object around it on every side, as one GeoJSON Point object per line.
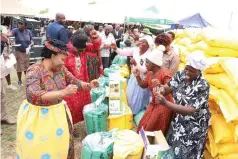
{"type": "Point", "coordinates": [191, 93]}
{"type": "Point", "coordinates": [137, 97]}
{"type": "Point", "coordinates": [157, 116]}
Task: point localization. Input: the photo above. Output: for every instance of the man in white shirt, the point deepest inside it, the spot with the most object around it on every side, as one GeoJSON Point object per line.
{"type": "Point", "coordinates": [107, 40]}
{"type": "Point", "coordinates": [100, 30]}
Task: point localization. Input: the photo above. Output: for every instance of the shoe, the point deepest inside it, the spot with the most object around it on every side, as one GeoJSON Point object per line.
{"type": "Point", "coordinates": [8, 122]}
{"type": "Point", "coordinates": [20, 84]}
{"type": "Point", "coordinates": [12, 87]}
{"type": "Point", "coordinates": [76, 134]}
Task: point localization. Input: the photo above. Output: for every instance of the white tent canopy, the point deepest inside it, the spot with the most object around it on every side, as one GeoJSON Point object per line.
{"type": "Point", "coordinates": [16, 7]}
{"type": "Point", "coordinates": [115, 11]}
{"type": "Point", "coordinates": [105, 11]}
{"type": "Point", "coordinates": [108, 11]}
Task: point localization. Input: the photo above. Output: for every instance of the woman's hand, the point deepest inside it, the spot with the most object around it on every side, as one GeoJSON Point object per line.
{"type": "Point", "coordinates": [160, 99]}
{"type": "Point", "coordinates": [94, 84]}
{"type": "Point", "coordinates": [155, 83]}
{"type": "Point", "coordinates": [136, 72]}
{"type": "Point", "coordinates": [69, 90]}
{"type": "Point", "coordinates": [162, 90]}
{"type": "Point", "coordinates": [5, 57]}
{"type": "Point", "coordinates": [133, 61]}
{"type": "Point", "coordinates": [114, 46]}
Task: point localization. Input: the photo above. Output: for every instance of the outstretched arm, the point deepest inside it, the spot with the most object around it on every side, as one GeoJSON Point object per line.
{"type": "Point", "coordinates": [141, 83]}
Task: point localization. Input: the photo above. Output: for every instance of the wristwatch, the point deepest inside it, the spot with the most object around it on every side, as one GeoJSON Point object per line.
{"type": "Point", "coordinates": [88, 85]}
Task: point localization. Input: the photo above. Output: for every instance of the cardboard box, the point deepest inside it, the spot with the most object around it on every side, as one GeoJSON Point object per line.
{"type": "Point", "coordinates": [154, 142]}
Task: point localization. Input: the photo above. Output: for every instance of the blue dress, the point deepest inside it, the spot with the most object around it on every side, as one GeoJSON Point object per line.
{"type": "Point", "coordinates": [138, 98]}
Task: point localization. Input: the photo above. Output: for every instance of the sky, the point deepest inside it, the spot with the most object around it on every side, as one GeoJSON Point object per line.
{"type": "Point", "coordinates": [217, 12]}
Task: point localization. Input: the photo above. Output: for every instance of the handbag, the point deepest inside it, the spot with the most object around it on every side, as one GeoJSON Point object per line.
{"type": "Point", "coordinates": [11, 61]}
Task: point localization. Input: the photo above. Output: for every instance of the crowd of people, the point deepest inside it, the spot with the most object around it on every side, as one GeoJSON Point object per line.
{"type": "Point", "coordinates": [58, 87]}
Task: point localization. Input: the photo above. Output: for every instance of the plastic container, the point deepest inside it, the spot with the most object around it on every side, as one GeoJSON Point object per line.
{"type": "Point", "coordinates": [95, 116]}
{"type": "Point", "coordinates": [138, 117]}
{"type": "Point", "coordinates": [123, 121]}
{"type": "Point", "coordinates": [96, 93]}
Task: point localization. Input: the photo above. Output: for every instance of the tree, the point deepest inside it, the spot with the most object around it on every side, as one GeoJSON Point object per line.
{"type": "Point", "coordinates": [44, 11]}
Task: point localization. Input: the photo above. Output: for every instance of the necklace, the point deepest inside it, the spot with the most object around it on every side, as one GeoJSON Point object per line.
{"type": "Point", "coordinates": [78, 63]}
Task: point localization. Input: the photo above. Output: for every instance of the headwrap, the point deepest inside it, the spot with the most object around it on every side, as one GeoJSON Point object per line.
{"type": "Point", "coordinates": [127, 42]}
{"type": "Point", "coordinates": [80, 41]}
{"type": "Point", "coordinates": [149, 40]}
{"type": "Point", "coordinates": [88, 28]}
{"type": "Point", "coordinates": [196, 60]}
{"type": "Point", "coordinates": [51, 47]}
{"type": "Point", "coordinates": [156, 56]}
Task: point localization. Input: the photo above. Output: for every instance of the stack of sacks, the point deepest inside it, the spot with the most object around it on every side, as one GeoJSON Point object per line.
{"type": "Point", "coordinates": [211, 42]}
{"type": "Point", "coordinates": [183, 54]}
{"type": "Point", "coordinates": [220, 43]}
{"type": "Point", "coordinates": [222, 76]}
{"type": "Point", "coordinates": [191, 33]}
{"type": "Point", "coordinates": [184, 39]}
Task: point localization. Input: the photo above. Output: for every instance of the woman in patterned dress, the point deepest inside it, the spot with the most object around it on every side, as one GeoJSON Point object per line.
{"type": "Point", "coordinates": [157, 116]}
{"type": "Point", "coordinates": [76, 63]}
{"type": "Point", "coordinates": [191, 92]}
{"type": "Point", "coordinates": [79, 64]}
{"type": "Point", "coordinates": [44, 123]}
{"type": "Point", "coordinates": [93, 55]}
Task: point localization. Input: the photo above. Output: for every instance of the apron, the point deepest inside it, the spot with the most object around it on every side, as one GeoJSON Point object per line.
{"type": "Point", "coordinates": [43, 132]}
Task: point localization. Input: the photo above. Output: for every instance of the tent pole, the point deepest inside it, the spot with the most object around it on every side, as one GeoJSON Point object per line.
{"type": "Point", "coordinates": [124, 28]}
{"type": "Point", "coordinates": [229, 27]}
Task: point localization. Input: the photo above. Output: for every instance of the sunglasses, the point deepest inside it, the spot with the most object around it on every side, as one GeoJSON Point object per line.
{"type": "Point", "coordinates": [94, 37]}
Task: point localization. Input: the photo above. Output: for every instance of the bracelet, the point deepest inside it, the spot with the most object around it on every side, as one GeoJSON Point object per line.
{"type": "Point", "coordinates": [58, 95]}
{"type": "Point", "coordinates": [88, 85]}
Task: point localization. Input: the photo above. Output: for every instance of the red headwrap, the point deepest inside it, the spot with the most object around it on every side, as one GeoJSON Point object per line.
{"type": "Point", "coordinates": [55, 49]}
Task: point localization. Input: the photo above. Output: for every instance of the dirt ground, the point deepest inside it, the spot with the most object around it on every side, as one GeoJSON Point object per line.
{"type": "Point", "coordinates": [13, 102]}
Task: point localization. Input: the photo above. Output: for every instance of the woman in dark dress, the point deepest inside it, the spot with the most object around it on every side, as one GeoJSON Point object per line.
{"type": "Point", "coordinates": [191, 92]}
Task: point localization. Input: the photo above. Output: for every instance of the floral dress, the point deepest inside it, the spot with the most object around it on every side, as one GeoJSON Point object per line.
{"type": "Point", "coordinates": [187, 137]}
{"type": "Point", "coordinates": [42, 124]}
{"type": "Point", "coordinates": [94, 60]}
{"type": "Point", "coordinates": [78, 67]}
